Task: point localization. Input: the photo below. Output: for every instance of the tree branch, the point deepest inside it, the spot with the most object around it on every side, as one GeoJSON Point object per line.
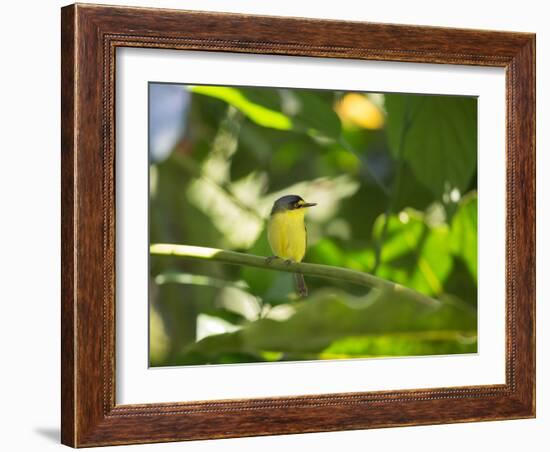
{"type": "Point", "coordinates": [316, 270]}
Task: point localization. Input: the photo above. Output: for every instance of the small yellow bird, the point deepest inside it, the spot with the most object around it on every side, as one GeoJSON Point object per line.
{"type": "Point", "coordinates": [287, 234]}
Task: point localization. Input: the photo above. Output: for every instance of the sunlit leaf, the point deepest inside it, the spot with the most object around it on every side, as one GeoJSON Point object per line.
{"type": "Point", "coordinates": [326, 252]}
{"type": "Point", "coordinates": [402, 344]}
{"type": "Point", "coordinates": [360, 260]}
{"type": "Point", "coordinates": [257, 113]}
{"type": "Point", "coordinates": [403, 233]}
{"type": "Point", "coordinates": [414, 253]}
{"type": "Point", "coordinates": [208, 325]}
{"type": "Point", "coordinates": [434, 262]}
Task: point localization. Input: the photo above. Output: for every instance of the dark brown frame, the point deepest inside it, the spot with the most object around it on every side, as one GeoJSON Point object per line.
{"type": "Point", "coordinates": [90, 35]}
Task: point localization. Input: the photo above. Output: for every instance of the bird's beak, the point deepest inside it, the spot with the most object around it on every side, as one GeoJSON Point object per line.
{"type": "Point", "coordinates": [309, 204]}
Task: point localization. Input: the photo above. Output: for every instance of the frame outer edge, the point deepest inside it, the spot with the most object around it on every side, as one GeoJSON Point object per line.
{"type": "Point", "coordinates": [68, 242]}
{"type": "Point", "coordinates": [534, 225]}
{"type": "Point", "coordinates": [525, 125]}
{"type": "Point", "coordinates": [86, 418]}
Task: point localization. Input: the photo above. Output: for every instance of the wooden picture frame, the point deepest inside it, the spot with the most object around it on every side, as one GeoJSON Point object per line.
{"type": "Point", "coordinates": [90, 36]}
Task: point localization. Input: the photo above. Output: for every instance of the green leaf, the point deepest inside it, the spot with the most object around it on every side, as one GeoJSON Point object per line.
{"type": "Point", "coordinates": [326, 252]}
{"type": "Point", "coordinates": [414, 253]}
{"type": "Point", "coordinates": [410, 192]}
{"type": "Point", "coordinates": [331, 315]}
{"type": "Point", "coordinates": [402, 234]}
{"type": "Point", "coordinates": [437, 135]}
{"type": "Point", "coordinates": [463, 238]}
{"type": "Point", "coordinates": [402, 344]}
{"type": "Point", "coordinates": [314, 116]}
{"type": "Point", "coordinates": [434, 262]}
{"type": "Point", "coordinates": [257, 113]}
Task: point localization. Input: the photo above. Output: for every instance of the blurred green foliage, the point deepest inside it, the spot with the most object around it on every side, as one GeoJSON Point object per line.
{"type": "Point", "coordinates": [394, 177]}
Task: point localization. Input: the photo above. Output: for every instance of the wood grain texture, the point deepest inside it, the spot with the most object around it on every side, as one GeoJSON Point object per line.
{"type": "Point", "coordinates": [68, 309]}
{"type": "Point", "coordinates": [90, 36]}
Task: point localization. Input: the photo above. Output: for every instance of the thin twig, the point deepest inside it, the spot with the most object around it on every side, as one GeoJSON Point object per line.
{"type": "Point", "coordinates": [316, 270]}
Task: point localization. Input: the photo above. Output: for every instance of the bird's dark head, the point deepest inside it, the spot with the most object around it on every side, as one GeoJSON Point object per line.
{"type": "Point", "coordinates": [290, 202]}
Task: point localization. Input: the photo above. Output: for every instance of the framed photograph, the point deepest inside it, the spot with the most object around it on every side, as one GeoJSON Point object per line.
{"type": "Point", "coordinates": [282, 225]}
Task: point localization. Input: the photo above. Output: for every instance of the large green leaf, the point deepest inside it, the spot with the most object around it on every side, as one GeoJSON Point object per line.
{"type": "Point", "coordinates": [437, 135]}
{"type": "Point", "coordinates": [331, 316]}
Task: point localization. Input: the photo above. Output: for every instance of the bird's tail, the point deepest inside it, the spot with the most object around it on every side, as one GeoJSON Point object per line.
{"type": "Point", "coordinates": [301, 287]}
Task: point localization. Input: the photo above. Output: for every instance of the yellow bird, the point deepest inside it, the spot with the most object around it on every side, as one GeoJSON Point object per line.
{"type": "Point", "coordinates": [287, 234]}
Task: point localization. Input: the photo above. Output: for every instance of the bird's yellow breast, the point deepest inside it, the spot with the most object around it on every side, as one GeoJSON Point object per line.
{"type": "Point", "coordinates": [286, 233]}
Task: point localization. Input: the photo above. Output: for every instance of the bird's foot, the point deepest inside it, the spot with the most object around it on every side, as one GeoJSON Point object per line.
{"type": "Point", "coordinates": [270, 259]}
{"type": "Point", "coordinates": [288, 261]}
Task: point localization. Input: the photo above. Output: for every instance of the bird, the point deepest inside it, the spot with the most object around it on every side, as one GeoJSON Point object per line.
{"type": "Point", "coordinates": [287, 234]}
